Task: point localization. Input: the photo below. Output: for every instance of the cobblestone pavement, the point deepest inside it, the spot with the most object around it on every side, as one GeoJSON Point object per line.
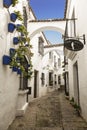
{"type": "Point", "coordinates": [51, 112]}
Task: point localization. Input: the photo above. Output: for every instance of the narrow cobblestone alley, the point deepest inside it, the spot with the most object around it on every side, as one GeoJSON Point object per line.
{"type": "Point", "coordinates": [51, 112]}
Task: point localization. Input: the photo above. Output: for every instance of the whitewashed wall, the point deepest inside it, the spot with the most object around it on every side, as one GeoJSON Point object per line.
{"type": "Point", "coordinates": [8, 86]}
{"type": "Point", "coordinates": [81, 58]}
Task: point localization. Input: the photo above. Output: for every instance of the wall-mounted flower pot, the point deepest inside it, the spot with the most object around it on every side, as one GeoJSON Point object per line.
{"type": "Point", "coordinates": [7, 3]}
{"type": "Point", "coordinates": [18, 60]}
{"type": "Point", "coordinates": [11, 27]}
{"type": "Point", "coordinates": [14, 69]}
{"type": "Point", "coordinates": [12, 52]}
{"type": "Point", "coordinates": [18, 26]}
{"type": "Point", "coordinates": [28, 65]}
{"type": "Point", "coordinates": [23, 39]}
{"type": "Point", "coordinates": [18, 71]}
{"type": "Point", "coordinates": [6, 60]}
{"type": "Point", "coordinates": [13, 17]}
{"type": "Point", "coordinates": [15, 40]}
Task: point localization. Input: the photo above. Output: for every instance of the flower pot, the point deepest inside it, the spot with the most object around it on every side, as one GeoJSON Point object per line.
{"type": "Point", "coordinates": [23, 39]}
{"type": "Point", "coordinates": [15, 40]}
{"type": "Point", "coordinates": [11, 27]}
{"type": "Point", "coordinates": [12, 52]}
{"type": "Point", "coordinates": [6, 60]}
{"type": "Point", "coordinates": [18, 60]}
{"type": "Point", "coordinates": [18, 71]}
{"type": "Point", "coordinates": [14, 69]}
{"type": "Point", "coordinates": [18, 26]}
{"type": "Point", "coordinates": [28, 65]}
{"type": "Point", "coordinates": [7, 3]}
{"type": "Point", "coordinates": [13, 17]}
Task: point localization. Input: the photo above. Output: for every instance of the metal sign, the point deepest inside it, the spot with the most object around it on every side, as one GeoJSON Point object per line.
{"type": "Point", "coordinates": [73, 44]}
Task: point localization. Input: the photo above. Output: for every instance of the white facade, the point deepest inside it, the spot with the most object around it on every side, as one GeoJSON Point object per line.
{"type": "Point", "coordinates": [77, 63]}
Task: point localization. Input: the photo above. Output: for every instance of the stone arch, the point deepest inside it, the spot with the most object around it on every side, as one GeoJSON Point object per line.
{"type": "Point", "coordinates": [44, 29]}
{"type": "Point", "coordinates": [39, 26]}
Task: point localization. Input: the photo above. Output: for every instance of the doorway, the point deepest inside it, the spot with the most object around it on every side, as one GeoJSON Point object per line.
{"type": "Point", "coordinates": [76, 83]}
{"type": "Point", "coordinates": [35, 83]}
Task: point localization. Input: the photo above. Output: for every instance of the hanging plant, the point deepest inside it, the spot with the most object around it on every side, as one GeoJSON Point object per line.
{"type": "Point", "coordinates": [19, 15]}
{"type": "Point", "coordinates": [16, 15]}
{"type": "Point", "coordinates": [18, 59]}
{"type": "Point", "coordinates": [22, 29]}
{"type": "Point", "coordinates": [14, 2]}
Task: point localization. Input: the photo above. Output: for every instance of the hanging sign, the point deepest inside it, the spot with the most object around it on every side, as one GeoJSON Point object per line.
{"type": "Point", "coordinates": [73, 44]}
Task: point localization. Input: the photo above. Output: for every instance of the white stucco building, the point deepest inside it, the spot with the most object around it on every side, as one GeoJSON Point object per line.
{"type": "Point", "coordinates": [45, 63]}
{"type": "Point", "coordinates": [77, 60]}
{"type": "Point", "coordinates": [46, 67]}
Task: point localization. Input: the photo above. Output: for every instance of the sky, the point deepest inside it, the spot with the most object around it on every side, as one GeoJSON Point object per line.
{"type": "Point", "coordinates": [49, 9]}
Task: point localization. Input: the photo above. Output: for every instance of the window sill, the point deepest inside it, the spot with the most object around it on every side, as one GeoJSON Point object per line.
{"type": "Point", "coordinates": [21, 92]}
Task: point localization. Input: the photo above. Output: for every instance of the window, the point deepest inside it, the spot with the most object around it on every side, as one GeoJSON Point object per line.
{"type": "Point", "coordinates": [43, 78]}
{"type": "Point", "coordinates": [59, 79]}
{"type": "Point", "coordinates": [25, 17]}
{"type": "Point", "coordinates": [51, 55]}
{"type": "Point", "coordinates": [24, 80]}
{"type": "Point", "coordinates": [55, 63]}
{"type": "Point", "coordinates": [59, 62]}
{"type": "Point", "coordinates": [55, 79]}
{"type": "Point", "coordinates": [50, 78]}
{"type": "Point", "coordinates": [41, 46]}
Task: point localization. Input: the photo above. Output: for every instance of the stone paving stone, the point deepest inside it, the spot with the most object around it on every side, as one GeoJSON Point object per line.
{"type": "Point", "coordinates": [51, 112]}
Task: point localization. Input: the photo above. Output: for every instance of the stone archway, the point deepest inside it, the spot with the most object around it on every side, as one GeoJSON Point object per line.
{"type": "Point", "coordinates": [36, 26]}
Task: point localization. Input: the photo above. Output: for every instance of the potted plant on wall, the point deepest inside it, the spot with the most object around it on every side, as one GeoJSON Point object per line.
{"type": "Point", "coordinates": [18, 59]}
{"type": "Point", "coordinates": [8, 3]}
{"type": "Point", "coordinates": [14, 2]}
{"type": "Point", "coordinates": [22, 29]}
{"type": "Point", "coordinates": [6, 60]}
{"type": "Point", "coordinates": [11, 27]}
{"type": "Point", "coordinates": [16, 15]}
{"type": "Point", "coordinates": [16, 40]}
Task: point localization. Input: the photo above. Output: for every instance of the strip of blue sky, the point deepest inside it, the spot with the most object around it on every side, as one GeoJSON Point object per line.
{"type": "Point", "coordinates": [49, 9]}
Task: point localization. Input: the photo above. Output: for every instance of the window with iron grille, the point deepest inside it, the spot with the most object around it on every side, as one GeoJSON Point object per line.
{"type": "Point", "coordinates": [55, 63]}
{"type": "Point", "coordinates": [42, 78]}
{"type": "Point", "coordinates": [50, 79]}
{"type": "Point", "coordinates": [59, 62]}
{"type": "Point", "coordinates": [23, 79]}
{"type": "Point", "coordinates": [59, 79]}
{"type": "Point", "coordinates": [41, 46]}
